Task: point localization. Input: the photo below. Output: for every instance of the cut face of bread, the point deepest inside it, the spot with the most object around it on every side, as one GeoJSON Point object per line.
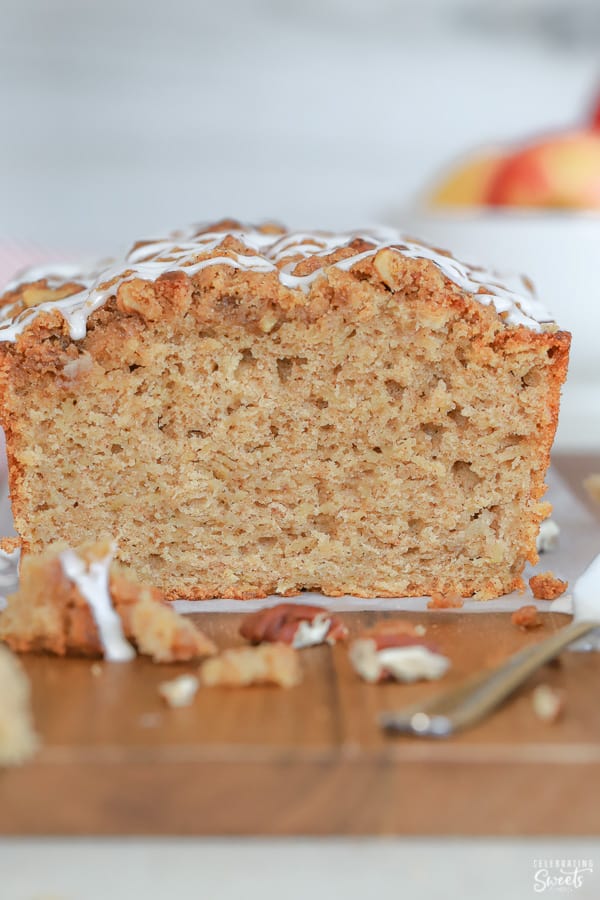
{"type": "Point", "coordinates": [347, 418]}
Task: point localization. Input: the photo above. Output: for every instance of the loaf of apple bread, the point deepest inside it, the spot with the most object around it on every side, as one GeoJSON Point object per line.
{"type": "Point", "coordinates": [252, 411]}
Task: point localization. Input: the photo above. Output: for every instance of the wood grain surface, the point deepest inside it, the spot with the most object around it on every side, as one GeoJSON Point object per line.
{"type": "Point", "coordinates": [310, 760]}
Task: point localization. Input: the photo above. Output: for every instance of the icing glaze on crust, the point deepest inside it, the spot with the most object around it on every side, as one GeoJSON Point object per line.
{"type": "Point", "coordinates": [92, 582]}
{"type": "Point", "coordinates": [298, 259]}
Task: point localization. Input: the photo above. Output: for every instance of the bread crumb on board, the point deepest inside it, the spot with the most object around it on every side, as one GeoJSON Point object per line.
{"type": "Point", "coordinates": [180, 691]}
{"type": "Point", "coordinates": [526, 617]}
{"type": "Point", "coordinates": [277, 664]}
{"type": "Point", "coordinates": [548, 702]}
{"type": "Point", "coordinates": [546, 586]}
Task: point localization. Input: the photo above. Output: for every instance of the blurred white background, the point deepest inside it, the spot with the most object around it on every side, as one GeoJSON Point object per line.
{"type": "Point", "coordinates": [122, 117]}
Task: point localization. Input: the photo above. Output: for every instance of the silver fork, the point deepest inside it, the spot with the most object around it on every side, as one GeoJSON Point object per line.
{"type": "Point", "coordinates": [478, 695]}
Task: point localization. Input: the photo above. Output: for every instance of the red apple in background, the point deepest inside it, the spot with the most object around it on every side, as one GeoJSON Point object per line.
{"type": "Point", "coordinates": [595, 118]}
{"type": "Point", "coordinates": [466, 183]}
{"type": "Point", "coordinates": [562, 171]}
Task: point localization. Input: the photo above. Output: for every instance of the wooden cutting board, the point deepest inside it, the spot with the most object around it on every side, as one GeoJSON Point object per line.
{"type": "Point", "coordinates": [310, 760]}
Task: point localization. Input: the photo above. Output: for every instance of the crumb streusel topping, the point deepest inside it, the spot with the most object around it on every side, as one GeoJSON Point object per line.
{"type": "Point", "coordinates": [298, 259]}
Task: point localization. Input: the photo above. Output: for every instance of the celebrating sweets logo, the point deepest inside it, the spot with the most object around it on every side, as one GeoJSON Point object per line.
{"type": "Point", "coordinates": [560, 875]}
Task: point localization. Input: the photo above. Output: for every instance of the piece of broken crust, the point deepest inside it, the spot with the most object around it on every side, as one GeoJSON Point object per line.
{"type": "Point", "coordinates": [50, 613]}
{"type": "Point", "coordinates": [18, 741]}
{"type": "Point", "coordinates": [276, 664]}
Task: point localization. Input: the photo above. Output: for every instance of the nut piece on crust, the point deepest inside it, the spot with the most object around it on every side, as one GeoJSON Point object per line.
{"type": "Point", "coordinates": [54, 611]}
{"type": "Point", "coordinates": [276, 664]}
{"type": "Point", "coordinates": [385, 654]}
{"type": "Point", "coordinates": [548, 703]}
{"type": "Point", "coordinates": [526, 617]}
{"type": "Point", "coordinates": [180, 691]}
{"type": "Point", "coordinates": [592, 485]}
{"type": "Point", "coordinates": [18, 741]}
{"type": "Point", "coordinates": [295, 624]}
{"type": "Point", "coordinates": [546, 586]}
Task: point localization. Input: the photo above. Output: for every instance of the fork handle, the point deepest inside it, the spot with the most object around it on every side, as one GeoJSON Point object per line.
{"type": "Point", "coordinates": [477, 696]}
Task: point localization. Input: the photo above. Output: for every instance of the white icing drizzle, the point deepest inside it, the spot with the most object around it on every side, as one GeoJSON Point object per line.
{"type": "Point", "coordinates": [9, 570]}
{"type": "Point", "coordinates": [194, 249]}
{"type": "Point", "coordinates": [92, 582]}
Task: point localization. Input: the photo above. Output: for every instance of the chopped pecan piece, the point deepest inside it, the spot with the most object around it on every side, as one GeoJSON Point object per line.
{"type": "Point", "coordinates": [292, 623]}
